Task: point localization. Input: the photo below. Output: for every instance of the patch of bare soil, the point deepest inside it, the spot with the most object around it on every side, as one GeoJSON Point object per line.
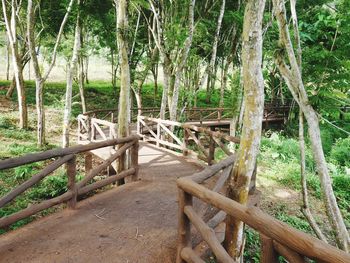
{"type": "Point", "coordinates": [277, 198]}
{"type": "Point", "coordinates": [6, 105]}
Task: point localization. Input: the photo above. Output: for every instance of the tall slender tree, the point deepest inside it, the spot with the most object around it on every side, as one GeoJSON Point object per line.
{"type": "Point", "coordinates": [41, 77]}
{"type": "Point", "coordinates": [71, 71]}
{"type": "Point", "coordinates": [287, 63]}
{"type": "Point", "coordinates": [124, 96]}
{"type": "Point", "coordinates": [253, 84]}
{"type": "Point", "coordinates": [11, 11]}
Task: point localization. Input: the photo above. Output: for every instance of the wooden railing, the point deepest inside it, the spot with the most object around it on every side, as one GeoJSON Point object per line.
{"type": "Point", "coordinates": [95, 130]}
{"type": "Point", "coordinates": [272, 112]}
{"type": "Point", "coordinates": [277, 238]}
{"type": "Point", "coordinates": [196, 142]}
{"type": "Point", "coordinates": [68, 156]}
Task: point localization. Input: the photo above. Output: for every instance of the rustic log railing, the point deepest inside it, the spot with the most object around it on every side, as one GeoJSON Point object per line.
{"type": "Point", "coordinates": [196, 142]}
{"type": "Point", "coordinates": [272, 112]}
{"type": "Point", "coordinates": [68, 156]}
{"type": "Point", "coordinates": [277, 238]}
{"type": "Point", "coordinates": [95, 130]}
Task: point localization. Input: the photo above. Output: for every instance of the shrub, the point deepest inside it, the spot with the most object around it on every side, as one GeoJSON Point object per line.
{"type": "Point", "coordinates": [6, 122]}
{"type": "Point", "coordinates": [340, 152]}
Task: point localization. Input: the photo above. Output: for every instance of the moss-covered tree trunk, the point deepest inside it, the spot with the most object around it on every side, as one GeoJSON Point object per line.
{"type": "Point", "coordinates": [253, 84]}
{"type": "Point", "coordinates": [124, 96]}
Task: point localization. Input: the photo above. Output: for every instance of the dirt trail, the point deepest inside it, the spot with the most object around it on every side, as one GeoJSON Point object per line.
{"type": "Point", "coordinates": [132, 223]}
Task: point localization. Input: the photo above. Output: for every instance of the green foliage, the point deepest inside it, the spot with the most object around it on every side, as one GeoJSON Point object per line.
{"type": "Point", "coordinates": [252, 248]}
{"type": "Point", "coordinates": [340, 152]}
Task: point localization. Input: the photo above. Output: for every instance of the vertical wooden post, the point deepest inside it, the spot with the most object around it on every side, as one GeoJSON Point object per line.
{"type": "Point", "coordinates": [138, 126]}
{"type": "Point", "coordinates": [184, 228]}
{"type": "Point", "coordinates": [252, 185]}
{"type": "Point", "coordinates": [135, 160]}
{"type": "Point", "coordinates": [211, 149]}
{"type": "Point", "coordinates": [71, 173]}
{"type": "Point", "coordinates": [88, 162]}
{"type": "Point", "coordinates": [79, 130]}
{"type": "Point", "coordinates": [185, 145]}
{"type": "Point", "coordinates": [121, 165]}
{"type": "Point", "coordinates": [88, 124]}
{"type": "Point", "coordinates": [268, 253]}
{"type": "Point", "coordinates": [158, 134]}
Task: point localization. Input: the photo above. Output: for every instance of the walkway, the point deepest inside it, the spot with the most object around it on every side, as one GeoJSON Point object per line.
{"type": "Point", "coordinates": [132, 223]}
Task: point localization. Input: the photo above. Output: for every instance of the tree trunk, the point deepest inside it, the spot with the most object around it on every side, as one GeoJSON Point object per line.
{"type": "Point", "coordinates": [11, 89]}
{"type": "Point", "coordinates": [22, 105]}
{"type": "Point", "coordinates": [124, 97]}
{"type": "Point", "coordinates": [253, 83]}
{"type": "Point", "coordinates": [11, 30]}
{"type": "Point", "coordinates": [39, 79]}
{"type": "Point", "coordinates": [182, 62]}
{"type": "Point", "coordinates": [87, 69]}
{"type": "Point", "coordinates": [8, 55]}
{"type": "Point", "coordinates": [293, 78]}
{"type": "Point", "coordinates": [306, 207]}
{"type": "Point", "coordinates": [71, 71]}
{"type": "Point", "coordinates": [81, 82]}
{"type": "Point", "coordinates": [165, 93]}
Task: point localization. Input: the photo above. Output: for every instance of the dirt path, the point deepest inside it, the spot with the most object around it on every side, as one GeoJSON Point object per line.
{"type": "Point", "coordinates": [132, 223]}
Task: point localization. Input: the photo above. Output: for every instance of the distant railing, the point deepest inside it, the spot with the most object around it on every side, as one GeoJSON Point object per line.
{"type": "Point", "coordinates": [196, 142]}
{"type": "Point", "coordinates": [68, 156]}
{"type": "Point", "coordinates": [95, 130]}
{"type": "Point", "coordinates": [277, 238]}
{"type": "Point", "coordinates": [272, 113]}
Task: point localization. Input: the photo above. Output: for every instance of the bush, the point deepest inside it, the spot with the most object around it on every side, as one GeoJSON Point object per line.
{"type": "Point", "coordinates": [6, 122]}
{"type": "Point", "coordinates": [340, 153]}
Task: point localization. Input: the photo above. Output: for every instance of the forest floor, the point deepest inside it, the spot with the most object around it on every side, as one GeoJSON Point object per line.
{"type": "Point", "coordinates": [278, 169]}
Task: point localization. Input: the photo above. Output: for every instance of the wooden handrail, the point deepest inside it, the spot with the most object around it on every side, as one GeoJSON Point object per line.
{"type": "Point", "coordinates": [74, 189]}
{"type": "Point", "coordinates": [36, 157]}
{"type": "Point", "coordinates": [162, 133]}
{"type": "Point", "coordinates": [280, 232]}
{"type": "Point", "coordinates": [35, 178]}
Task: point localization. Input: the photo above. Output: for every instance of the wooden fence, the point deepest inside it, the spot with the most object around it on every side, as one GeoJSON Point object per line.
{"type": "Point", "coordinates": [68, 156]}
{"type": "Point", "coordinates": [277, 238]}
{"type": "Point", "coordinates": [272, 112]}
{"type": "Point", "coordinates": [95, 130]}
{"type": "Point", "coordinates": [196, 142]}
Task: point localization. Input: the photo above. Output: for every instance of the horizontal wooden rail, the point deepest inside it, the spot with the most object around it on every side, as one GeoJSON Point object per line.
{"type": "Point", "coordinates": [31, 210]}
{"type": "Point", "coordinates": [208, 235]}
{"type": "Point", "coordinates": [104, 165]}
{"type": "Point", "coordinates": [74, 189]}
{"type": "Point", "coordinates": [32, 181]}
{"type": "Point", "coordinates": [186, 138]}
{"type": "Point", "coordinates": [280, 232]}
{"type": "Point", "coordinates": [190, 256]}
{"type": "Point", "coordinates": [208, 172]}
{"type": "Point", "coordinates": [36, 157]}
{"type": "Point", "coordinates": [107, 181]}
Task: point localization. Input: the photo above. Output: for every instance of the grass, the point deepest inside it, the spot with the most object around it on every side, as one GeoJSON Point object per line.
{"type": "Point", "coordinates": [280, 157]}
